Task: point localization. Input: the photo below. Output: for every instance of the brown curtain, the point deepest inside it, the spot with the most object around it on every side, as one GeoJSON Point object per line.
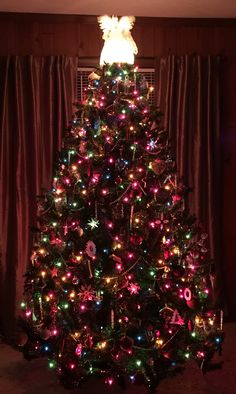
{"type": "Point", "coordinates": [188, 95]}
{"type": "Point", "coordinates": [36, 95]}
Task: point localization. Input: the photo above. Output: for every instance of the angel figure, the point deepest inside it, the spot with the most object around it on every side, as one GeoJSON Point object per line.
{"type": "Point", "coordinates": [119, 46]}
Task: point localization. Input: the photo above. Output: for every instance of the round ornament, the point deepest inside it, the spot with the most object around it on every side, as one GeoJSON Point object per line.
{"type": "Point", "coordinates": [139, 219]}
{"type": "Point", "coordinates": [126, 344]}
{"type": "Point", "coordinates": [158, 166]}
{"type": "Point", "coordinates": [136, 239]}
{"type": "Point", "coordinates": [187, 294]}
{"type": "Point", "coordinates": [90, 249]}
{"type": "Point", "coordinates": [45, 333]}
{"type": "Point", "coordinates": [22, 338]}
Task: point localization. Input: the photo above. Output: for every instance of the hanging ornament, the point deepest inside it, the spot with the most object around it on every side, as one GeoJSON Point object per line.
{"type": "Point", "coordinates": [192, 303]}
{"type": "Point", "coordinates": [166, 313]}
{"type": "Point", "coordinates": [118, 180]}
{"type": "Point", "coordinates": [54, 272]}
{"type": "Point", "coordinates": [88, 341]}
{"type": "Point", "coordinates": [82, 147]}
{"type": "Point", "coordinates": [90, 249]}
{"type": "Point", "coordinates": [187, 294]}
{"type": "Point", "coordinates": [126, 344]}
{"type": "Point", "coordinates": [75, 280]}
{"type": "Point", "coordinates": [158, 166]}
{"type": "Point", "coordinates": [45, 333]}
{"type": "Point", "coordinates": [93, 76]}
{"type": "Point", "coordinates": [78, 350]}
{"type": "Point", "coordinates": [80, 231]}
{"type": "Point", "coordinates": [87, 293]}
{"type": "Point", "coordinates": [162, 222]}
{"type": "Point", "coordinates": [177, 319]}
{"type": "Point", "coordinates": [136, 239]}
{"type": "Point", "coordinates": [152, 144]}
{"type": "Point", "coordinates": [176, 198]}
{"type": "Point", "coordinates": [93, 223]}
{"type": "Point", "coordinates": [21, 339]}
{"type": "Point", "coordinates": [133, 288]}
{"type": "Point", "coordinates": [139, 219]}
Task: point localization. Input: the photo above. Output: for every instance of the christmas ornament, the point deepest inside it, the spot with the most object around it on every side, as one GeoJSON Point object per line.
{"type": "Point", "coordinates": [126, 344]}
{"type": "Point", "coordinates": [158, 166]}
{"type": "Point", "coordinates": [90, 249]}
{"type": "Point", "coordinates": [177, 319]}
{"type": "Point", "coordinates": [87, 293]}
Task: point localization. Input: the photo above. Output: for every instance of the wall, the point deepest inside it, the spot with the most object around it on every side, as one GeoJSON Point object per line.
{"type": "Point", "coordinates": [22, 34]}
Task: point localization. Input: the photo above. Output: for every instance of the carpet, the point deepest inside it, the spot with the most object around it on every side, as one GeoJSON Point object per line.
{"type": "Point", "coordinates": [18, 376]}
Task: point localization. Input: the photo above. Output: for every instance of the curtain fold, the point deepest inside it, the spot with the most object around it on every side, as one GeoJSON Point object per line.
{"type": "Point", "coordinates": [36, 95]}
{"type": "Point", "coordinates": [189, 98]}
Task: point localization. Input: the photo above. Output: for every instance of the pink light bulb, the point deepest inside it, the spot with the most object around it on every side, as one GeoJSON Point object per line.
{"type": "Point", "coordinates": [28, 313]}
{"type": "Point", "coordinates": [110, 381]}
{"type": "Point", "coordinates": [119, 266]}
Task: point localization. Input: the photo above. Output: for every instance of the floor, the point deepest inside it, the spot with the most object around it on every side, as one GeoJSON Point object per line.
{"type": "Point", "coordinates": [18, 376]}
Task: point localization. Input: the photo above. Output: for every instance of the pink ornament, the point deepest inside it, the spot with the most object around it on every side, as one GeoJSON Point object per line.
{"type": "Point", "coordinates": [133, 288]}
{"type": "Point", "coordinates": [78, 350]}
{"type": "Point", "coordinates": [90, 249]}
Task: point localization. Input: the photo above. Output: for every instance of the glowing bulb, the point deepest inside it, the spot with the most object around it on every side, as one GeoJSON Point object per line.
{"type": "Point", "coordinates": [51, 364]}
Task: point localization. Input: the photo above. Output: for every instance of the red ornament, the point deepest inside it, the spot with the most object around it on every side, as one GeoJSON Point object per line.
{"type": "Point", "coordinates": [126, 344]}
{"type": "Point", "coordinates": [118, 180]}
{"type": "Point", "coordinates": [136, 239]}
{"type": "Point", "coordinates": [176, 198]}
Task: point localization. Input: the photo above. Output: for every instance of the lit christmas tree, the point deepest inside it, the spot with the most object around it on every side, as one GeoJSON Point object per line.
{"type": "Point", "coordinates": [119, 283]}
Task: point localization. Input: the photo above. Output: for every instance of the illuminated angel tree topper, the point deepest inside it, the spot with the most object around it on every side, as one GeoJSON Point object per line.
{"type": "Point", "coordinates": [119, 283]}
{"type": "Point", "coordinates": [119, 45]}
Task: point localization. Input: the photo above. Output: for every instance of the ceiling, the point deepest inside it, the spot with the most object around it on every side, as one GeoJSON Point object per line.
{"type": "Point", "coordinates": [155, 8]}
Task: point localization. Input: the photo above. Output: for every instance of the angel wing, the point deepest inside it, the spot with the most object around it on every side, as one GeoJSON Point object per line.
{"type": "Point", "coordinates": [126, 23]}
{"type": "Point", "coordinates": [107, 24]}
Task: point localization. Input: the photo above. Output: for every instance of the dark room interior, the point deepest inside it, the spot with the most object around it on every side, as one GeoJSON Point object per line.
{"type": "Point", "coordinates": [190, 54]}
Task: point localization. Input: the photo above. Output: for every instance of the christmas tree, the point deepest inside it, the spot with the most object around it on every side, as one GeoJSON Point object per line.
{"type": "Point", "coordinates": [119, 283]}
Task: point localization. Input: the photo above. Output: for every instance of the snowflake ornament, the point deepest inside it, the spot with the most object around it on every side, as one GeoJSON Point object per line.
{"type": "Point", "coordinates": [93, 223]}
{"type": "Point", "coordinates": [133, 288]}
{"type": "Point", "coordinates": [87, 293]}
{"type": "Point", "coordinates": [152, 144]}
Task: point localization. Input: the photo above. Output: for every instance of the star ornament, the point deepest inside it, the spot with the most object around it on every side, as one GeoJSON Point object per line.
{"type": "Point", "coordinates": [54, 272]}
{"type": "Point", "coordinates": [93, 223]}
{"type": "Point", "coordinates": [133, 288]}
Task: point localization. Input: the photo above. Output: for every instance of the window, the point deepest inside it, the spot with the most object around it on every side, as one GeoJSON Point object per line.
{"type": "Point", "coordinates": [82, 81]}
